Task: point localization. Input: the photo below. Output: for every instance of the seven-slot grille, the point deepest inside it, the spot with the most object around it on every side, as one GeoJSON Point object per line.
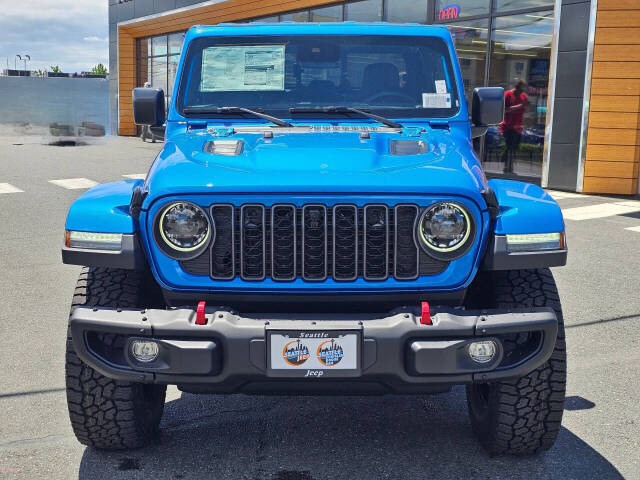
{"type": "Point", "coordinates": [314, 242]}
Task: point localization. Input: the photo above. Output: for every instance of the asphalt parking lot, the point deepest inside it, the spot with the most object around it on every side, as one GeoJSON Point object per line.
{"type": "Point", "coordinates": [301, 438]}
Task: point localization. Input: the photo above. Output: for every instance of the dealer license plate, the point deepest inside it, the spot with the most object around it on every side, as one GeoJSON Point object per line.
{"type": "Point", "coordinates": [314, 353]}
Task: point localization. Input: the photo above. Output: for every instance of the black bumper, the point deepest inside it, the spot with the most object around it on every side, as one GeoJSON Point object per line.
{"type": "Point", "coordinates": [229, 353]}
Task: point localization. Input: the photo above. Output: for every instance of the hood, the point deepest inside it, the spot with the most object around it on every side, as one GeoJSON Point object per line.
{"type": "Point", "coordinates": [317, 162]}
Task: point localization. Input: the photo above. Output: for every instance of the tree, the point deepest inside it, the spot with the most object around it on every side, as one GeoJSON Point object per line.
{"type": "Point", "coordinates": [55, 69]}
{"type": "Point", "coordinates": [99, 69]}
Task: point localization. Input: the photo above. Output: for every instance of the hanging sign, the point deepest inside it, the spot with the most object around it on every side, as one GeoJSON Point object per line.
{"type": "Point", "coordinates": [449, 12]}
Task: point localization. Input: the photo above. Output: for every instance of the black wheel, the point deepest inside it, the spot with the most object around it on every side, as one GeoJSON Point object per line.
{"type": "Point", "coordinates": [521, 416]}
{"type": "Point", "coordinates": [107, 413]}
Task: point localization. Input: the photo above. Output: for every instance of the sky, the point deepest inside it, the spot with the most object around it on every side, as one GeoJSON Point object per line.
{"type": "Point", "coordinates": [70, 33]}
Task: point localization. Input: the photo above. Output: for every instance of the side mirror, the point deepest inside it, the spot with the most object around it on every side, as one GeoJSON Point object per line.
{"type": "Point", "coordinates": [148, 106]}
{"type": "Point", "coordinates": [487, 108]}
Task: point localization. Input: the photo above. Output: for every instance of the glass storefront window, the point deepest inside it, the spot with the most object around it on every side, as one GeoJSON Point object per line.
{"type": "Point", "coordinates": [506, 5]}
{"type": "Point", "coordinates": [157, 62]}
{"type": "Point", "coordinates": [365, 11]}
{"type": "Point", "coordinates": [327, 14]}
{"type": "Point", "coordinates": [142, 71]}
{"type": "Point", "coordinates": [448, 10]}
{"type": "Point", "coordinates": [158, 72]}
{"type": "Point", "coordinates": [406, 11]}
{"type": "Point", "coordinates": [175, 43]}
{"type": "Point", "coordinates": [159, 45]}
{"type": "Point", "coordinates": [144, 48]}
{"type": "Point", "coordinates": [172, 69]}
{"type": "Point", "coordinates": [295, 17]}
{"type": "Point", "coordinates": [470, 39]}
{"type": "Point", "coordinates": [520, 52]}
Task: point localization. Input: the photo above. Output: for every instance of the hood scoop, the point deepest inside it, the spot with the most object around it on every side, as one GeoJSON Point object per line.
{"type": "Point", "coordinates": [228, 148]}
{"type": "Point", "coordinates": [407, 147]}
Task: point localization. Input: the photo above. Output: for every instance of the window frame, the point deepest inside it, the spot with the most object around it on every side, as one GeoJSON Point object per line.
{"type": "Point", "coordinates": [456, 92]}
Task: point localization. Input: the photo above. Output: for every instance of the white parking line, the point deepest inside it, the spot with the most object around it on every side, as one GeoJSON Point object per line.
{"type": "Point", "coordinates": [633, 229]}
{"type": "Point", "coordinates": [630, 203]}
{"type": "Point", "coordinates": [8, 188]}
{"type": "Point", "coordinates": [561, 195]}
{"type": "Point", "coordinates": [600, 210]}
{"type": "Point", "coordinates": [136, 176]}
{"type": "Point", "coordinates": [73, 183]}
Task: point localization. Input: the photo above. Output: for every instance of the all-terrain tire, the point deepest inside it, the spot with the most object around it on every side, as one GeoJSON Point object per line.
{"type": "Point", "coordinates": [107, 413]}
{"type": "Point", "coordinates": [521, 416]}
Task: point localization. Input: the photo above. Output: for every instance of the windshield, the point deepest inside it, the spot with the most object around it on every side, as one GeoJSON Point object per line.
{"type": "Point", "coordinates": [389, 75]}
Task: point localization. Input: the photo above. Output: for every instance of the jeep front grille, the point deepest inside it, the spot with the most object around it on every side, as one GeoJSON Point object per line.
{"type": "Point", "coordinates": [314, 242]}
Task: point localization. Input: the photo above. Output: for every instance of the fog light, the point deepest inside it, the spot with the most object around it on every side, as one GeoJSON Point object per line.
{"type": "Point", "coordinates": [482, 352]}
{"type": "Point", "coordinates": [144, 351]}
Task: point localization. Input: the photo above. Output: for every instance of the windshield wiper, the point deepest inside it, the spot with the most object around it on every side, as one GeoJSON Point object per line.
{"type": "Point", "coordinates": [205, 109]}
{"type": "Point", "coordinates": [341, 109]}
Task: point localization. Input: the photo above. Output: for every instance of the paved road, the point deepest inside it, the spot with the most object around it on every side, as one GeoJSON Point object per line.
{"type": "Point", "coordinates": [301, 438]}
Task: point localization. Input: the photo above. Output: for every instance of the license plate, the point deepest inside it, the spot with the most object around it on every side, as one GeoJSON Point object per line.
{"type": "Point", "coordinates": [314, 353]}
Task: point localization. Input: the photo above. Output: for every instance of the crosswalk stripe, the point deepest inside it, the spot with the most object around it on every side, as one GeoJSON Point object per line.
{"type": "Point", "coordinates": [8, 188]}
{"type": "Point", "coordinates": [73, 183]}
{"type": "Point", "coordinates": [633, 229]}
{"type": "Point", "coordinates": [136, 176]}
{"type": "Point", "coordinates": [600, 210]}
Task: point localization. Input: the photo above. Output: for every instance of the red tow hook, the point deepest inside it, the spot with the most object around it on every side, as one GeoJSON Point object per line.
{"type": "Point", "coordinates": [425, 319]}
{"type": "Point", "coordinates": [200, 318]}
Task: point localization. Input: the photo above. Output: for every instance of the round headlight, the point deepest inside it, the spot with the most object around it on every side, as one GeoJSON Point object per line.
{"type": "Point", "coordinates": [445, 227]}
{"type": "Point", "coordinates": [184, 226]}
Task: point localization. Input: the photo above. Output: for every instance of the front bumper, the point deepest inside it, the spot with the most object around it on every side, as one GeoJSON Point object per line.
{"type": "Point", "coordinates": [229, 353]}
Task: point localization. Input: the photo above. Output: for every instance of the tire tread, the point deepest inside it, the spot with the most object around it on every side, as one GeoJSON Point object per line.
{"type": "Point", "coordinates": [107, 413]}
{"type": "Point", "coordinates": [525, 413]}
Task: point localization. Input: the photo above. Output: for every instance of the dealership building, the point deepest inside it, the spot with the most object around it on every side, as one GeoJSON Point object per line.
{"type": "Point", "coordinates": [580, 59]}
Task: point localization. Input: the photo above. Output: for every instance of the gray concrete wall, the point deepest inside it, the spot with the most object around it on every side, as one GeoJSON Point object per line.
{"type": "Point", "coordinates": [32, 104]}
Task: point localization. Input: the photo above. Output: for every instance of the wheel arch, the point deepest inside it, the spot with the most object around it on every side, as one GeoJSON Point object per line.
{"type": "Point", "coordinates": [524, 209]}
{"type": "Point", "coordinates": [106, 208]}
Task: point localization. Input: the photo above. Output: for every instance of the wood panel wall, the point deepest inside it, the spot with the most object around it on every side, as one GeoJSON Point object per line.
{"type": "Point", "coordinates": [228, 11]}
{"type": "Point", "coordinates": [613, 140]}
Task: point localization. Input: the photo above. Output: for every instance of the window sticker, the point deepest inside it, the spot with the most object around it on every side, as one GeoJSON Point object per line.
{"type": "Point", "coordinates": [242, 68]}
{"type": "Point", "coordinates": [436, 100]}
{"type": "Point", "coordinates": [441, 86]}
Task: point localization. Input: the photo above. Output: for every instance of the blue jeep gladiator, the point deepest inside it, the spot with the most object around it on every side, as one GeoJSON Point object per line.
{"type": "Point", "coordinates": [317, 222]}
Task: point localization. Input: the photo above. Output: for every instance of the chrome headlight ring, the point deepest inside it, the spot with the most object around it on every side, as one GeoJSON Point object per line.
{"type": "Point", "coordinates": [465, 231]}
{"type": "Point", "coordinates": [172, 248]}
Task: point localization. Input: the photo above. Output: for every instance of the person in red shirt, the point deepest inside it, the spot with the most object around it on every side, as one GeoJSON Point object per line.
{"type": "Point", "coordinates": [515, 105]}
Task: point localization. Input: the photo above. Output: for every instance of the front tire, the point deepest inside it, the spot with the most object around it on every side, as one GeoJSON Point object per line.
{"type": "Point", "coordinates": [520, 416]}
{"type": "Point", "coordinates": [107, 413]}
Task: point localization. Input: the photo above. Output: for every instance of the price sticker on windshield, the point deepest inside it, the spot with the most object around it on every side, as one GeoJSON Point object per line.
{"type": "Point", "coordinates": [441, 86]}
{"type": "Point", "coordinates": [436, 100]}
{"type": "Point", "coordinates": [244, 68]}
